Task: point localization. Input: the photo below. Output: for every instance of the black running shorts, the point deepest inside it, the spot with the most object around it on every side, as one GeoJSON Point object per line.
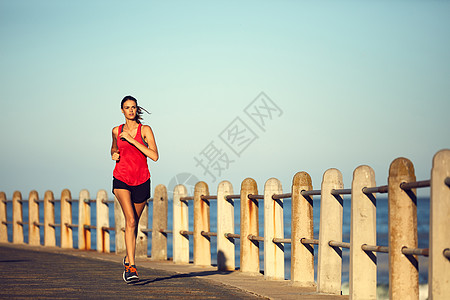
{"type": "Point", "coordinates": [139, 193]}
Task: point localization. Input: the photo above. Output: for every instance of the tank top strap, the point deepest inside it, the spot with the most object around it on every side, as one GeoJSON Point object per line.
{"type": "Point", "coordinates": [139, 133]}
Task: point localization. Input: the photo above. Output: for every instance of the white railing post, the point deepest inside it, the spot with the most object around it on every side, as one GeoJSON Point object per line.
{"type": "Point", "coordinates": [49, 219]}
{"type": "Point", "coordinates": [84, 218]}
{"type": "Point", "coordinates": [103, 237]}
{"type": "Point", "coordinates": [202, 244]}
{"type": "Point", "coordinates": [17, 218]}
{"type": "Point", "coordinates": [66, 218]}
{"type": "Point", "coordinates": [273, 228]}
{"type": "Point", "coordinates": [3, 219]}
{"type": "Point", "coordinates": [119, 221]}
{"type": "Point", "coordinates": [403, 269]}
{"type": "Point", "coordinates": [142, 234]}
{"type": "Point", "coordinates": [302, 226]}
{"type": "Point", "coordinates": [439, 265]}
{"type": "Point", "coordinates": [159, 238]}
{"type": "Point", "coordinates": [225, 224]}
{"type": "Point", "coordinates": [180, 223]}
{"type": "Point", "coordinates": [249, 261]}
{"type": "Point", "coordinates": [363, 265]}
{"type": "Point", "coordinates": [34, 236]}
{"type": "Point", "coordinates": [330, 228]}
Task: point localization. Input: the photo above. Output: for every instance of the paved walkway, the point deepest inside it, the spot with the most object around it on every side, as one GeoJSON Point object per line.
{"type": "Point", "coordinates": [47, 272]}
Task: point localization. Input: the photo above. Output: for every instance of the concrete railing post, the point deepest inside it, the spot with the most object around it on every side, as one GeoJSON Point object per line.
{"type": "Point", "coordinates": [142, 234]}
{"type": "Point", "coordinates": [439, 265]}
{"type": "Point", "coordinates": [249, 261]}
{"type": "Point", "coordinates": [34, 236]}
{"type": "Point", "coordinates": [3, 219]}
{"type": "Point", "coordinates": [330, 228]}
{"type": "Point", "coordinates": [17, 218]}
{"type": "Point", "coordinates": [363, 265]}
{"type": "Point", "coordinates": [402, 206]}
{"type": "Point", "coordinates": [180, 223]}
{"type": "Point", "coordinates": [225, 224]}
{"type": "Point", "coordinates": [66, 218]}
{"type": "Point", "coordinates": [103, 237]}
{"type": "Point", "coordinates": [159, 238]}
{"type": "Point", "coordinates": [119, 221]}
{"type": "Point", "coordinates": [273, 228]}
{"type": "Point", "coordinates": [49, 219]}
{"type": "Point", "coordinates": [84, 218]}
{"type": "Point", "coordinates": [302, 226]}
{"type": "Point", "coordinates": [202, 244]}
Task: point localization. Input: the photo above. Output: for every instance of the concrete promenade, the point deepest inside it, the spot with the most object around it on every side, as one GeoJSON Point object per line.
{"type": "Point", "coordinates": [49, 272]}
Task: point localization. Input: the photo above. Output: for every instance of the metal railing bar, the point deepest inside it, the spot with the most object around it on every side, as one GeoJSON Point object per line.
{"type": "Point", "coordinates": [39, 201]}
{"type": "Point", "coordinates": [281, 196]}
{"type": "Point", "coordinates": [147, 230]}
{"type": "Point", "coordinates": [185, 232]}
{"type": "Point", "coordinates": [415, 251]}
{"type": "Point", "coordinates": [337, 192]}
{"type": "Point", "coordinates": [22, 223]}
{"type": "Point", "coordinates": [167, 231]}
{"type": "Point", "coordinates": [70, 225]}
{"type": "Point", "coordinates": [108, 201]}
{"type": "Point", "coordinates": [339, 244]}
{"type": "Point", "coordinates": [90, 227]}
{"type": "Point", "coordinates": [207, 233]}
{"type": "Point", "coordinates": [309, 241]}
{"type": "Point", "coordinates": [54, 225]}
{"type": "Point", "coordinates": [252, 237]}
{"type": "Point", "coordinates": [446, 251]}
{"type": "Point", "coordinates": [311, 193]}
{"type": "Point", "coordinates": [54, 200]}
{"type": "Point", "coordinates": [7, 222]}
{"type": "Point", "coordinates": [447, 181]}
{"type": "Point", "coordinates": [255, 197]}
{"type": "Point", "coordinates": [377, 189]}
{"type": "Point", "coordinates": [372, 248]}
{"type": "Point", "coordinates": [104, 228]}
{"type": "Point", "coordinates": [232, 235]}
{"type": "Point", "coordinates": [279, 241]}
{"type": "Point", "coordinates": [211, 197]}
{"type": "Point", "coordinates": [187, 198]}
{"type": "Point", "coordinates": [415, 184]}
{"type": "Point", "coordinates": [38, 224]}
{"type": "Point", "coordinates": [230, 197]}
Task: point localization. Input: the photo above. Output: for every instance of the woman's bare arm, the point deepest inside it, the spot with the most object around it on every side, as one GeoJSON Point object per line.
{"type": "Point", "coordinates": [152, 150]}
{"type": "Point", "coordinates": [114, 149]}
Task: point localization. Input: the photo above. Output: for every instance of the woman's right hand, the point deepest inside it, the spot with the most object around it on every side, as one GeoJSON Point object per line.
{"type": "Point", "coordinates": [115, 156]}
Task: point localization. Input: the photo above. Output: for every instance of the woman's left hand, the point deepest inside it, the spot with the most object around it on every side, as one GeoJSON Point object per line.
{"type": "Point", "coordinates": [126, 136]}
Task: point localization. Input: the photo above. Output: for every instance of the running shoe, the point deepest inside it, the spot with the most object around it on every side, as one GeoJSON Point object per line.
{"type": "Point", "coordinates": [130, 274]}
{"type": "Point", "coordinates": [125, 263]}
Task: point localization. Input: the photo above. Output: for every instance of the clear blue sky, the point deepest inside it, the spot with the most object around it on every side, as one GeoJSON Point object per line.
{"type": "Point", "coordinates": [356, 82]}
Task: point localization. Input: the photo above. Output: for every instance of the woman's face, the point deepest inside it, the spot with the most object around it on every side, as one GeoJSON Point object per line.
{"type": "Point", "coordinates": [129, 109]}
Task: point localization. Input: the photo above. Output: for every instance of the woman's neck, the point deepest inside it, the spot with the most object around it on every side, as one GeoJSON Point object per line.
{"type": "Point", "coordinates": [131, 124]}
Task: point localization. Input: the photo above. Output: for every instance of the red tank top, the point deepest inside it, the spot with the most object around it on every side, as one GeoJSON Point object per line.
{"type": "Point", "coordinates": [132, 166]}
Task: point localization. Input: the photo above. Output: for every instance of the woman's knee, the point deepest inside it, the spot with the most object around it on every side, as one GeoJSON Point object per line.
{"type": "Point", "coordinates": [131, 223]}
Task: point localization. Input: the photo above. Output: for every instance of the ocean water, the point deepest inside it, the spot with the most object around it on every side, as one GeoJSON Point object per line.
{"type": "Point", "coordinates": [423, 205]}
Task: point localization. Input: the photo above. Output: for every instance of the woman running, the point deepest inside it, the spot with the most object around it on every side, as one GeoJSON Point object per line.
{"type": "Point", "coordinates": [132, 143]}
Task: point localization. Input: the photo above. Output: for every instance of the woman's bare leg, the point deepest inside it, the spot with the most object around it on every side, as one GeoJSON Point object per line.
{"type": "Point", "coordinates": [131, 221]}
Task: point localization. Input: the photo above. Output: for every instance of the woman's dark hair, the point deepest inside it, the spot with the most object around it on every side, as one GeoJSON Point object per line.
{"type": "Point", "coordinates": [138, 108]}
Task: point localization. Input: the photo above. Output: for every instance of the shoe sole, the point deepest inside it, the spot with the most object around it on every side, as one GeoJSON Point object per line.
{"type": "Point", "coordinates": [131, 279]}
